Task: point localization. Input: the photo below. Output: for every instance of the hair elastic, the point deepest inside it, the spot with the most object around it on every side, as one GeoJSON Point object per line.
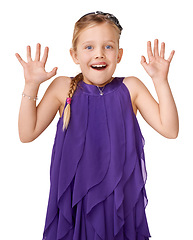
{"type": "Point", "coordinates": [68, 100]}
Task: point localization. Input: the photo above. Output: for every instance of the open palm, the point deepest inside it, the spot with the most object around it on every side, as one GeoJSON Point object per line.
{"type": "Point", "coordinates": [34, 71]}
{"type": "Point", "coordinates": [158, 66]}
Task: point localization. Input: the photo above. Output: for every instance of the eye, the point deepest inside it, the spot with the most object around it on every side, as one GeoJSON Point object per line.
{"type": "Point", "coordinates": [89, 47]}
{"type": "Point", "coordinates": [108, 47]}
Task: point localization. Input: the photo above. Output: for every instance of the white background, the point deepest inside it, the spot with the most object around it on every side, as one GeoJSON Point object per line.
{"type": "Point", "coordinates": [24, 168]}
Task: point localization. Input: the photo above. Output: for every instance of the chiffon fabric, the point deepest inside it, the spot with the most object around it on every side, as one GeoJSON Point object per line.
{"type": "Point", "coordinates": [98, 173]}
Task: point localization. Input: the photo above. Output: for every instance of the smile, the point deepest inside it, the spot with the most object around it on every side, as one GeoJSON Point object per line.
{"type": "Point", "coordinates": [98, 66]}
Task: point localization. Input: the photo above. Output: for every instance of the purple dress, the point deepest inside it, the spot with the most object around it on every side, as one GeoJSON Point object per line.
{"type": "Point", "coordinates": [98, 174]}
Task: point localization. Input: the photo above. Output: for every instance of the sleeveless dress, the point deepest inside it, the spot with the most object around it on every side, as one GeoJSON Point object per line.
{"type": "Point", "coordinates": [98, 174]}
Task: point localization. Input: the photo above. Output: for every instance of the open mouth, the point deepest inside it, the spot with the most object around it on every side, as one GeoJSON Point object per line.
{"type": "Point", "coordinates": [99, 67]}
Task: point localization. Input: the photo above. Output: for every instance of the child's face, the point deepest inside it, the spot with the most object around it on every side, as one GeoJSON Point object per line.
{"type": "Point", "coordinates": [98, 53]}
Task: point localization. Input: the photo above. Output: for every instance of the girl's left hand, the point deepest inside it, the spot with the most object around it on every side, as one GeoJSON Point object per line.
{"type": "Point", "coordinates": [158, 66]}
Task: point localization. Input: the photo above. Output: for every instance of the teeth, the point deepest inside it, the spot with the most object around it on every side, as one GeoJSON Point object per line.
{"type": "Point", "coordinates": [98, 66]}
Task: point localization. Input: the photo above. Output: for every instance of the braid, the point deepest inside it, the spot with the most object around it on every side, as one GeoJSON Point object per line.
{"type": "Point", "coordinates": [73, 86]}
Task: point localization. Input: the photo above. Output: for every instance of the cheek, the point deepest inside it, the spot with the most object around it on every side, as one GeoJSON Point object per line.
{"type": "Point", "coordinates": [113, 56]}
{"type": "Point", "coordinates": [83, 58]}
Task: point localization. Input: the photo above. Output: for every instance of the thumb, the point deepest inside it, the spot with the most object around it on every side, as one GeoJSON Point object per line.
{"type": "Point", "coordinates": [143, 62]}
{"type": "Point", "coordinates": [52, 73]}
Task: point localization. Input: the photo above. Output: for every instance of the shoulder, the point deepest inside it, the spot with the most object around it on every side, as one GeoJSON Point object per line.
{"type": "Point", "coordinates": [59, 87]}
{"type": "Point", "coordinates": [132, 82]}
{"type": "Point", "coordinates": [134, 85]}
{"type": "Point", "coordinates": [61, 82]}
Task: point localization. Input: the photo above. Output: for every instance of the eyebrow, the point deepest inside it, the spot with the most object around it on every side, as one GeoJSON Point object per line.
{"type": "Point", "coordinates": [87, 42]}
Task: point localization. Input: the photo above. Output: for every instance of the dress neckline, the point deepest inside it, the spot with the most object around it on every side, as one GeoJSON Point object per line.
{"type": "Point", "coordinates": [94, 90]}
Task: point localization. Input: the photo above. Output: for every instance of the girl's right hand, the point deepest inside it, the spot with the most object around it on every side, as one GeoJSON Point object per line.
{"type": "Point", "coordinates": [34, 71]}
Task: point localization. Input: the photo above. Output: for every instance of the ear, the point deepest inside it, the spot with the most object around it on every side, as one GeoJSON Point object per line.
{"type": "Point", "coordinates": [74, 56]}
{"type": "Point", "coordinates": [120, 54]}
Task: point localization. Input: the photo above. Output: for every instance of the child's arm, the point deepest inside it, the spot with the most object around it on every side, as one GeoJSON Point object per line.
{"type": "Point", "coordinates": [34, 120]}
{"type": "Point", "coordinates": [162, 116]}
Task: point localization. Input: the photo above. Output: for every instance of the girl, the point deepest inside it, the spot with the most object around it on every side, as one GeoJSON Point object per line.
{"type": "Point", "coordinates": [98, 169]}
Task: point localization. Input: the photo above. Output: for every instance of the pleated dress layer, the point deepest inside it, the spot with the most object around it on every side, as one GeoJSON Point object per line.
{"type": "Point", "coordinates": [98, 174]}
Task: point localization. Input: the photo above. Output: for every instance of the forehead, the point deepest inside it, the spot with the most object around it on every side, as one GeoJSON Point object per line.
{"type": "Point", "coordinates": [100, 32]}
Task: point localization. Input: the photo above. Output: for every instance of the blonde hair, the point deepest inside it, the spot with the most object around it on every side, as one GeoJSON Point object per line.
{"type": "Point", "coordinates": [87, 21]}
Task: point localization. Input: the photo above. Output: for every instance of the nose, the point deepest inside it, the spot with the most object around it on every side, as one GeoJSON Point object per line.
{"type": "Point", "coordinates": [99, 53]}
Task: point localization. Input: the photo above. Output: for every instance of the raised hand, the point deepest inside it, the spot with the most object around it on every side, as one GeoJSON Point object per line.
{"type": "Point", "coordinates": [158, 66]}
{"type": "Point", "coordinates": [34, 71]}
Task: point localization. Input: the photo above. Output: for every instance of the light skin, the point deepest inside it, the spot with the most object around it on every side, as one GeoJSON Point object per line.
{"type": "Point", "coordinates": [97, 46]}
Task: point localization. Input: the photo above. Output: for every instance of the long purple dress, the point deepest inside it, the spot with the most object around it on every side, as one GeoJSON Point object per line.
{"type": "Point", "coordinates": [98, 170]}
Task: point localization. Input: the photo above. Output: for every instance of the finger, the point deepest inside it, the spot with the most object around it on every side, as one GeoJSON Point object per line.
{"type": "Point", "coordinates": [162, 51]}
{"type": "Point", "coordinates": [38, 52]}
{"type": "Point", "coordinates": [143, 62]}
{"type": "Point", "coordinates": [171, 56]}
{"type": "Point", "coordinates": [29, 59]}
{"type": "Point", "coordinates": [149, 50]}
{"type": "Point", "coordinates": [45, 56]}
{"type": "Point", "coordinates": [52, 73]}
{"type": "Point", "coordinates": [20, 59]}
{"type": "Point", "coordinates": [156, 51]}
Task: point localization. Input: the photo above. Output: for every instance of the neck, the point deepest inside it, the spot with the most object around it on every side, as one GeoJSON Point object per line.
{"type": "Point", "coordinates": [99, 85]}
